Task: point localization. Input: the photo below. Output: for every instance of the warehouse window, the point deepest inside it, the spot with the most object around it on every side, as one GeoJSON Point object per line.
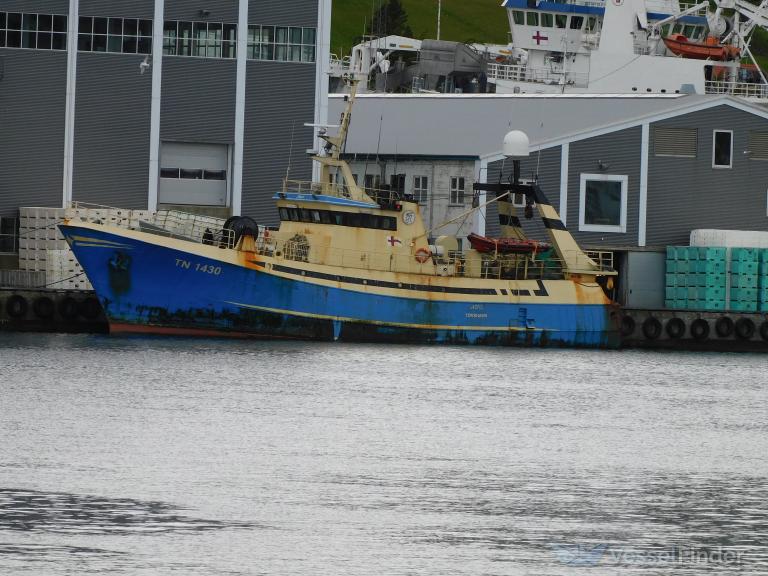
{"type": "Point", "coordinates": [420, 189]}
{"type": "Point", "coordinates": [758, 145]}
{"type": "Point", "coordinates": [722, 148]}
{"type": "Point", "coordinates": [603, 203]}
{"type": "Point", "coordinates": [200, 39]}
{"type": "Point", "coordinates": [679, 142]}
{"type": "Point", "coordinates": [283, 43]}
{"type": "Point", "coordinates": [457, 190]}
{"type": "Point", "coordinates": [34, 31]}
{"type": "Point", "coordinates": [116, 35]}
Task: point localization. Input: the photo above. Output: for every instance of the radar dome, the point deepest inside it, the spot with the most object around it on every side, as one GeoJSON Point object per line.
{"type": "Point", "coordinates": [516, 143]}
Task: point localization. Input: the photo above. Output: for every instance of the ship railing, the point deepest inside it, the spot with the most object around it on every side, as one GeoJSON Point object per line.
{"type": "Point", "coordinates": [742, 89]}
{"type": "Point", "coordinates": [190, 227]}
{"type": "Point", "coordinates": [384, 197]}
{"type": "Point", "coordinates": [536, 74]}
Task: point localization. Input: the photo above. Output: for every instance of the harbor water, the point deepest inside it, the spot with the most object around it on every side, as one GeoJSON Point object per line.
{"type": "Point", "coordinates": [197, 457]}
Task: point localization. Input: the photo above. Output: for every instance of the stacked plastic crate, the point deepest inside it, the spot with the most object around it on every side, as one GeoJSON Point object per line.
{"type": "Point", "coordinates": [745, 267]}
{"type": "Point", "coordinates": [762, 298]}
{"type": "Point", "coordinates": [696, 278]}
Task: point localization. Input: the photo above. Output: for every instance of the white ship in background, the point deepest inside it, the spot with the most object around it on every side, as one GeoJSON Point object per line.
{"type": "Point", "coordinates": [581, 46]}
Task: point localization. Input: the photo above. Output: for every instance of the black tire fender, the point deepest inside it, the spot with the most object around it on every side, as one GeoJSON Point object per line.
{"type": "Point", "coordinates": [44, 308]}
{"type": "Point", "coordinates": [745, 328]}
{"type": "Point", "coordinates": [89, 308]}
{"type": "Point", "coordinates": [676, 328]}
{"type": "Point", "coordinates": [700, 329]}
{"type": "Point", "coordinates": [764, 330]}
{"type": "Point", "coordinates": [628, 325]}
{"type": "Point", "coordinates": [67, 308]}
{"type": "Point", "coordinates": [651, 328]}
{"type": "Point", "coordinates": [16, 306]}
{"type": "Point", "coordinates": [724, 326]}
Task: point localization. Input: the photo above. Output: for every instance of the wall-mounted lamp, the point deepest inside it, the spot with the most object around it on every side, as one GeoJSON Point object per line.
{"type": "Point", "coordinates": [204, 13]}
{"type": "Point", "coordinates": [602, 166]}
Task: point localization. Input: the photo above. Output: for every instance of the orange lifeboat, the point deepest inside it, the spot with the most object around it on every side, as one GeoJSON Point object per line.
{"type": "Point", "coordinates": [710, 49]}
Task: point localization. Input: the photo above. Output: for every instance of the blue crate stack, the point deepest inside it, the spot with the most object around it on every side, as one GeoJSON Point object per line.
{"type": "Point", "coordinates": [762, 301]}
{"type": "Point", "coordinates": [745, 275]}
{"type": "Point", "coordinates": [696, 278]}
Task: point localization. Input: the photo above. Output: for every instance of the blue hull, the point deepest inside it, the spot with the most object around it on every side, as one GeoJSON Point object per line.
{"type": "Point", "coordinates": [146, 288]}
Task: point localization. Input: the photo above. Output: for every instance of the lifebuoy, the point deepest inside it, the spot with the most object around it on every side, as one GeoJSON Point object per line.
{"type": "Point", "coordinates": [745, 328]}
{"type": "Point", "coordinates": [89, 308]}
{"type": "Point", "coordinates": [700, 329]}
{"type": "Point", "coordinates": [724, 327]}
{"type": "Point", "coordinates": [627, 325]}
{"type": "Point", "coordinates": [44, 308]}
{"type": "Point", "coordinates": [651, 328]}
{"type": "Point", "coordinates": [764, 330]}
{"type": "Point", "coordinates": [675, 328]}
{"type": "Point", "coordinates": [422, 255]}
{"type": "Point", "coordinates": [16, 306]}
{"type": "Point", "coordinates": [68, 308]}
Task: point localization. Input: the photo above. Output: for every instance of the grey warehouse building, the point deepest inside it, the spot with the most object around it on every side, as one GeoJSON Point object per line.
{"type": "Point", "coordinates": [149, 103]}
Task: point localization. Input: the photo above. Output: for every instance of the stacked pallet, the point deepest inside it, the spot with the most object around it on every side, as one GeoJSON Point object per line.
{"type": "Point", "coordinates": [43, 249]}
{"type": "Point", "coordinates": [696, 278]}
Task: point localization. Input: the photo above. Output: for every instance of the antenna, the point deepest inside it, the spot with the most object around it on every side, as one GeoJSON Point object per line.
{"type": "Point", "coordinates": [290, 153]}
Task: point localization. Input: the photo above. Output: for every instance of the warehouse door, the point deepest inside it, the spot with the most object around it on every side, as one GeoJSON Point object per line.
{"type": "Point", "coordinates": [194, 174]}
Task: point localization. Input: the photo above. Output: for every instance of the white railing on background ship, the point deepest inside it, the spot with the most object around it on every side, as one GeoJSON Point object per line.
{"type": "Point", "coordinates": [741, 89]}
{"type": "Point", "coordinates": [539, 75]}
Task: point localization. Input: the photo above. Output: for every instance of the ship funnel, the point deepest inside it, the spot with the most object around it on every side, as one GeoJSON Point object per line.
{"type": "Point", "coordinates": [516, 144]}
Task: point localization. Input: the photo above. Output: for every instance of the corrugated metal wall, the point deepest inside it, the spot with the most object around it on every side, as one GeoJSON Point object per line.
{"type": "Point", "coordinates": [32, 104]}
{"type": "Point", "coordinates": [112, 123]}
{"type": "Point", "coordinates": [198, 102]}
{"type": "Point", "coordinates": [220, 10]}
{"type": "Point", "coordinates": [687, 193]}
{"type": "Point", "coordinates": [620, 151]}
{"type": "Point", "coordinates": [36, 6]}
{"type": "Point", "coordinates": [279, 97]}
{"type": "Point", "coordinates": [283, 12]}
{"type": "Point", "coordinates": [547, 166]}
{"type": "Point", "coordinates": [118, 9]}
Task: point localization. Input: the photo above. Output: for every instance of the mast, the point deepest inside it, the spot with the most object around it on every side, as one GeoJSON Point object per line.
{"type": "Point", "coordinates": [334, 148]}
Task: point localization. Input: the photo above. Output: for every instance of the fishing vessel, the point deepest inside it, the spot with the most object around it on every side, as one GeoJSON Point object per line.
{"type": "Point", "coordinates": [352, 264]}
{"type": "Point", "coordinates": [581, 46]}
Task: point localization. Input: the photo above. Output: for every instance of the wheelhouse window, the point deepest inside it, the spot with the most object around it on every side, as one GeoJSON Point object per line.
{"type": "Point", "coordinates": [457, 190]}
{"type": "Point", "coordinates": [722, 149]}
{"type": "Point", "coordinates": [546, 20]}
{"type": "Point", "coordinates": [561, 20]}
{"type": "Point", "coordinates": [518, 17]}
{"type": "Point", "coordinates": [576, 22]}
{"type": "Point", "coordinates": [351, 219]}
{"type": "Point", "coordinates": [603, 203]}
{"type": "Point", "coordinates": [533, 18]}
{"type": "Point", "coordinates": [420, 189]}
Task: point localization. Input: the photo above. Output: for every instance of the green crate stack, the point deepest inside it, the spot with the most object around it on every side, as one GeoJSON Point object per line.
{"type": "Point", "coordinates": [695, 278]}
{"type": "Point", "coordinates": [745, 279]}
{"type": "Point", "coordinates": [762, 298]}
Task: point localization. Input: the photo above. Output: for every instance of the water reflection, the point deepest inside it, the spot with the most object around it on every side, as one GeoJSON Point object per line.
{"type": "Point", "coordinates": [62, 513]}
